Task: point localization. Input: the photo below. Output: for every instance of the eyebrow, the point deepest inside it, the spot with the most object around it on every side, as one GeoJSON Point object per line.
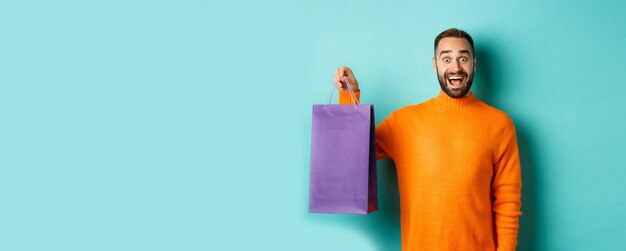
{"type": "Point", "coordinates": [461, 52]}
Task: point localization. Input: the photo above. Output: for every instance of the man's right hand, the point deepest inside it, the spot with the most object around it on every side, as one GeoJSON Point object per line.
{"type": "Point", "coordinates": [341, 84]}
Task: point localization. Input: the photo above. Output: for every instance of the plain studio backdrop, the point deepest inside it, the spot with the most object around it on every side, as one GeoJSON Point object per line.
{"type": "Point", "coordinates": [185, 125]}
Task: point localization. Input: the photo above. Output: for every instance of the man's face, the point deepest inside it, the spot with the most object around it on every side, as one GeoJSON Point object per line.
{"type": "Point", "coordinates": [454, 63]}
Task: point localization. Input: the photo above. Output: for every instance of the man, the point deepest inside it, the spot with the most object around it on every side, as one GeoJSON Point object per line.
{"type": "Point", "coordinates": [456, 158]}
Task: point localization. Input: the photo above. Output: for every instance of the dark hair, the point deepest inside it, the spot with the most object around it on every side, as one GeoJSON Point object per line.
{"type": "Point", "coordinates": [454, 32]}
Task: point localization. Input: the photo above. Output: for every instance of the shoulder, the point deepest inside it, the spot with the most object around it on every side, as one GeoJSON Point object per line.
{"type": "Point", "coordinates": [500, 121]}
{"type": "Point", "coordinates": [497, 114]}
{"type": "Point", "coordinates": [410, 109]}
{"type": "Point", "coordinates": [405, 114]}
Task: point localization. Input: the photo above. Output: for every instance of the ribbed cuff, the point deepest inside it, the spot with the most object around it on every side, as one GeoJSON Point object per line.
{"type": "Point", "coordinates": [346, 99]}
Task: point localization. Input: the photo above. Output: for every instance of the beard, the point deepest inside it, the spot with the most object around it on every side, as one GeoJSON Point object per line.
{"type": "Point", "coordinates": [455, 93]}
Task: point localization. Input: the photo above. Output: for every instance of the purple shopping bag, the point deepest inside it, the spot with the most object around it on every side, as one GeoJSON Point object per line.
{"type": "Point", "coordinates": [343, 162]}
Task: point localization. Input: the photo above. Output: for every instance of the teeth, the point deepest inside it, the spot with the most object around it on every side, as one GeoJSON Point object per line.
{"type": "Point", "coordinates": [455, 78]}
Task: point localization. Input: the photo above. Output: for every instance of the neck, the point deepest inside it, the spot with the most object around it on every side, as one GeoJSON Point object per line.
{"type": "Point", "coordinates": [445, 100]}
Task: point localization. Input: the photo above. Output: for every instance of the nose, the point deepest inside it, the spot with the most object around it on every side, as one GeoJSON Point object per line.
{"type": "Point", "coordinates": [456, 65]}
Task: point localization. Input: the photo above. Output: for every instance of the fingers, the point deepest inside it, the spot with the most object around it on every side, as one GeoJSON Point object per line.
{"type": "Point", "coordinates": [339, 85]}
{"type": "Point", "coordinates": [339, 74]}
{"type": "Point", "coordinates": [345, 71]}
{"type": "Point", "coordinates": [338, 81]}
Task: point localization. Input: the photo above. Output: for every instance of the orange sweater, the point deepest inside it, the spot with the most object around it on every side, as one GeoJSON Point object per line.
{"type": "Point", "coordinates": [458, 173]}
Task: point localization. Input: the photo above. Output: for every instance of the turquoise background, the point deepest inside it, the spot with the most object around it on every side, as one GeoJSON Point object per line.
{"type": "Point", "coordinates": [185, 125]}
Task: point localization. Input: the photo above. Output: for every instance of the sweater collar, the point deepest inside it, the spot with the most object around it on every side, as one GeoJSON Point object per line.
{"type": "Point", "coordinates": [445, 100]}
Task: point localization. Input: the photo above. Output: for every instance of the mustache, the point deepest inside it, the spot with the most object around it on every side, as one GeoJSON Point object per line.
{"type": "Point", "coordinates": [460, 73]}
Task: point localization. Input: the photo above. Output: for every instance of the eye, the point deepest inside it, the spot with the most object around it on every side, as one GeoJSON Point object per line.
{"type": "Point", "coordinates": [463, 60]}
{"type": "Point", "coordinates": [446, 60]}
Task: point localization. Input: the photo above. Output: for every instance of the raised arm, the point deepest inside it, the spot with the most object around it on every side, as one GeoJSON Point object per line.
{"type": "Point", "coordinates": [384, 131]}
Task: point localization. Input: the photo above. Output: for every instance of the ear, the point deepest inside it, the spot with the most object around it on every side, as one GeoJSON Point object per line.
{"type": "Point", "coordinates": [435, 65]}
{"type": "Point", "coordinates": [474, 63]}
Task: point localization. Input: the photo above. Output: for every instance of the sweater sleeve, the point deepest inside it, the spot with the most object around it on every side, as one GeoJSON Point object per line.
{"type": "Point", "coordinates": [346, 99]}
{"type": "Point", "coordinates": [384, 135]}
{"type": "Point", "coordinates": [506, 189]}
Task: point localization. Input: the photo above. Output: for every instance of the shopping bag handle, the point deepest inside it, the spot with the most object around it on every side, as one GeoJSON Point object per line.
{"type": "Point", "coordinates": [356, 102]}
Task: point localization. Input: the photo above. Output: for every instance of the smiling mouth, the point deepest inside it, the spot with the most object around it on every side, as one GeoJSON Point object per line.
{"type": "Point", "coordinates": [456, 82]}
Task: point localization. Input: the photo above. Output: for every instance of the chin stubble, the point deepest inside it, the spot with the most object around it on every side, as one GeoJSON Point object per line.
{"type": "Point", "coordinates": [455, 93]}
